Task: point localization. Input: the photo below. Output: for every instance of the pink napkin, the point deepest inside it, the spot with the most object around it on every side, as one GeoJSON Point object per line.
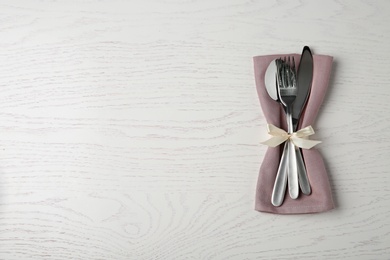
{"type": "Point", "coordinates": [321, 197]}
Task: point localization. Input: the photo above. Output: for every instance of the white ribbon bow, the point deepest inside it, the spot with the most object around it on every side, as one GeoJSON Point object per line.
{"type": "Point", "coordinates": [299, 138]}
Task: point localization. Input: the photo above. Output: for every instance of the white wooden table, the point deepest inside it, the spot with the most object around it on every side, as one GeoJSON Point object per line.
{"type": "Point", "coordinates": [131, 129]}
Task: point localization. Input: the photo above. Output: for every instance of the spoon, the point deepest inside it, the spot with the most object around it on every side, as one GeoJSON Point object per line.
{"type": "Point", "coordinates": [280, 185]}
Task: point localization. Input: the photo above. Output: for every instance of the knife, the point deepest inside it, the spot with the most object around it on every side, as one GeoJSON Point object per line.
{"type": "Point", "coordinates": [304, 81]}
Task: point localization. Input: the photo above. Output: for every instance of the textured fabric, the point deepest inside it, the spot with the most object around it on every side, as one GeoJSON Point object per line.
{"type": "Point", "coordinates": [321, 197]}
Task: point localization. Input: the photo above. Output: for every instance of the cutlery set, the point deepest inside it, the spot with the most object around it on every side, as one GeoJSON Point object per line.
{"type": "Point", "coordinates": [290, 88]}
{"type": "Point", "coordinates": [293, 177]}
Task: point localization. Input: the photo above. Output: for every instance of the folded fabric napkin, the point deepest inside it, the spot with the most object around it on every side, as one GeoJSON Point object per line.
{"type": "Point", "coordinates": [320, 198]}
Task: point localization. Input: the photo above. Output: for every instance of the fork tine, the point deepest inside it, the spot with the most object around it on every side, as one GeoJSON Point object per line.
{"type": "Point", "coordinates": [283, 73]}
{"type": "Point", "coordinates": [280, 71]}
{"type": "Point", "coordinates": [293, 64]}
{"type": "Point", "coordinates": [290, 72]}
{"type": "Point", "coordinates": [294, 79]}
{"type": "Point", "coordinates": [278, 76]}
{"type": "Point", "coordinates": [293, 75]}
{"type": "Point", "coordinates": [287, 71]}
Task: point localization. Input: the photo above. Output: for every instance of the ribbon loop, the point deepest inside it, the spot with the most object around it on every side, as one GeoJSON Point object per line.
{"type": "Point", "coordinates": [299, 138]}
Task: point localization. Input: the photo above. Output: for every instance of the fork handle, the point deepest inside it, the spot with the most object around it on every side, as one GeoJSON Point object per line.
{"type": "Point", "coordinates": [293, 186]}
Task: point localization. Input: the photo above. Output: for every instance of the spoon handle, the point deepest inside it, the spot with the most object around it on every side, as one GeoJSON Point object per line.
{"type": "Point", "coordinates": [281, 179]}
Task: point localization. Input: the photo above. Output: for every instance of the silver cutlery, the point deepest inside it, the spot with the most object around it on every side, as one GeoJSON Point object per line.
{"type": "Point", "coordinates": [304, 80]}
{"type": "Point", "coordinates": [281, 79]}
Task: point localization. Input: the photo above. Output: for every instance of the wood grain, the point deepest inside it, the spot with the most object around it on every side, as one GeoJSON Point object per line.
{"type": "Point", "coordinates": [131, 129]}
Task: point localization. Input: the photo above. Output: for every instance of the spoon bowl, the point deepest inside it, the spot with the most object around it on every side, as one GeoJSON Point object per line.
{"type": "Point", "coordinates": [270, 80]}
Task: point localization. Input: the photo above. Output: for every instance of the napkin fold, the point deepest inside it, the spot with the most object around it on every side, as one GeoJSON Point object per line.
{"type": "Point", "coordinates": [320, 199]}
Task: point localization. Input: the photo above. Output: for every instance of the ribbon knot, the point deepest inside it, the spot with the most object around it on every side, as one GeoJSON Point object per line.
{"type": "Point", "coordinates": [299, 138]}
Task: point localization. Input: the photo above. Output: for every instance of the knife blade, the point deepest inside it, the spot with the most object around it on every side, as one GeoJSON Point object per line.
{"type": "Point", "coordinates": [304, 81]}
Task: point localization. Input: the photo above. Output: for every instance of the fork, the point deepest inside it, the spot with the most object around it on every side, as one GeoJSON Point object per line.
{"type": "Point", "coordinates": [287, 90]}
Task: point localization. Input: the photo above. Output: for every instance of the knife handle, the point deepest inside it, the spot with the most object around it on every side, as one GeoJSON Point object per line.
{"type": "Point", "coordinates": [302, 174]}
{"type": "Point", "coordinates": [303, 180]}
{"type": "Point", "coordinates": [281, 179]}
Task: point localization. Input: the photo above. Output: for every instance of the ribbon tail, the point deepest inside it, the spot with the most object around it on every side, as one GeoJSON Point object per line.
{"type": "Point", "coordinates": [304, 143]}
{"type": "Point", "coordinates": [275, 141]}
